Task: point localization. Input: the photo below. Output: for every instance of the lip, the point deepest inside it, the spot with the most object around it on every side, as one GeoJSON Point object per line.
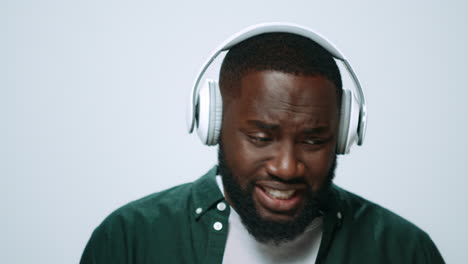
{"type": "Point", "coordinates": [281, 186]}
{"type": "Point", "coordinates": [279, 206]}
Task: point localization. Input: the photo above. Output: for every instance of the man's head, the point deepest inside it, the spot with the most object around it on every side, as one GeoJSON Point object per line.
{"type": "Point", "coordinates": [281, 95]}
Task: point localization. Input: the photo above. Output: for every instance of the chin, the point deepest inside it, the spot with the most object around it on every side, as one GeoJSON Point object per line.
{"type": "Point", "coordinates": [279, 217]}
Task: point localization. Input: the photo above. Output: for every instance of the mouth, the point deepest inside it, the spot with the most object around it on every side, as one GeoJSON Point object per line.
{"type": "Point", "coordinates": [279, 194]}
{"type": "Point", "coordinates": [277, 200]}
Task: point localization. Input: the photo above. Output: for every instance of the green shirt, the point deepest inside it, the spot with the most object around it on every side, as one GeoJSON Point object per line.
{"type": "Point", "coordinates": [184, 225]}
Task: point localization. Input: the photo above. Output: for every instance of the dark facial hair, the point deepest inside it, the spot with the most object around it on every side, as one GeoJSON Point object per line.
{"type": "Point", "coordinates": [263, 230]}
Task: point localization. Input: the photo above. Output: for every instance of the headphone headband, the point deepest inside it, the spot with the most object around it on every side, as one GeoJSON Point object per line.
{"type": "Point", "coordinates": [277, 28]}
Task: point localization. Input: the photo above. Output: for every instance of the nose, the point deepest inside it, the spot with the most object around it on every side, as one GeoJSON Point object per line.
{"type": "Point", "coordinates": [284, 163]}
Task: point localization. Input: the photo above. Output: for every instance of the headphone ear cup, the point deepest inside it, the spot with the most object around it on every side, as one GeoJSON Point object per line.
{"type": "Point", "coordinates": [210, 110]}
{"type": "Point", "coordinates": [349, 120]}
{"type": "Point", "coordinates": [216, 114]}
{"type": "Point", "coordinates": [344, 122]}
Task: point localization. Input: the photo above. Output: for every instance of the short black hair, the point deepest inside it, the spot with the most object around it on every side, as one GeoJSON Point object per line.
{"type": "Point", "coordinates": [285, 52]}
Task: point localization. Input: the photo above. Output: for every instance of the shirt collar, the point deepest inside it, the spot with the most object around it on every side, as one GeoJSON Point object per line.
{"type": "Point", "coordinates": [206, 193]}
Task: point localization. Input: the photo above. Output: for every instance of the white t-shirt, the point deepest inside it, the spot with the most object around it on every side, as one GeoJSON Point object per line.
{"type": "Point", "coordinates": [242, 248]}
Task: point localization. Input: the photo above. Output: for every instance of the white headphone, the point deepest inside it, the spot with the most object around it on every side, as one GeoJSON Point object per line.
{"type": "Point", "coordinates": [205, 106]}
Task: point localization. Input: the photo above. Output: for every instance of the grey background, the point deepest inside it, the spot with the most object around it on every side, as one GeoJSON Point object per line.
{"type": "Point", "coordinates": [93, 96]}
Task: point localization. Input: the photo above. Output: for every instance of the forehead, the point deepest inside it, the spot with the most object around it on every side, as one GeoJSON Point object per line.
{"type": "Point", "coordinates": [274, 95]}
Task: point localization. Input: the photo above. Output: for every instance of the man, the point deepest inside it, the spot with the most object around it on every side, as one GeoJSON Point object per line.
{"type": "Point", "coordinates": [271, 198]}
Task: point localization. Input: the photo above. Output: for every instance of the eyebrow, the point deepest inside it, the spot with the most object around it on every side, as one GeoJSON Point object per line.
{"type": "Point", "coordinates": [263, 125]}
{"type": "Point", "coordinates": [271, 127]}
{"type": "Point", "coordinates": [315, 130]}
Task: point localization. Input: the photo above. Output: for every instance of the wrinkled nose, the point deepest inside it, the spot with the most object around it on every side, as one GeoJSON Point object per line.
{"type": "Point", "coordinates": [285, 163]}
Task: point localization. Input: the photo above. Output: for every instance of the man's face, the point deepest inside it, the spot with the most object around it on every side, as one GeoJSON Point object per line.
{"type": "Point", "coordinates": [277, 146]}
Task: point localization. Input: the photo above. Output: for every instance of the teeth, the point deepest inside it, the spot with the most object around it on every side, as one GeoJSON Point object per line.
{"type": "Point", "coordinates": [277, 194]}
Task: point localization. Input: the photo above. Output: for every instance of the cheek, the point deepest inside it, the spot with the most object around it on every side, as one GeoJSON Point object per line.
{"type": "Point", "coordinates": [241, 158]}
{"type": "Point", "coordinates": [317, 168]}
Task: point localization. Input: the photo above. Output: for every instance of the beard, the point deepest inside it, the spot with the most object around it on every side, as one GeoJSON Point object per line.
{"type": "Point", "coordinates": [269, 231]}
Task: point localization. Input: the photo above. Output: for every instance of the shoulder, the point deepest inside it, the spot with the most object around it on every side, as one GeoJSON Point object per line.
{"type": "Point", "coordinates": [139, 227]}
{"type": "Point", "coordinates": [159, 210]}
{"type": "Point", "coordinates": [362, 211]}
{"type": "Point", "coordinates": [158, 206]}
{"type": "Point", "coordinates": [380, 228]}
{"type": "Point", "coordinates": [153, 227]}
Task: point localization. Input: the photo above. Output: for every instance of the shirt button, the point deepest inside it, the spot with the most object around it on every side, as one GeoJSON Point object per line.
{"type": "Point", "coordinates": [338, 215]}
{"type": "Point", "coordinates": [218, 226]}
{"type": "Point", "coordinates": [199, 210]}
{"type": "Point", "coordinates": [221, 206]}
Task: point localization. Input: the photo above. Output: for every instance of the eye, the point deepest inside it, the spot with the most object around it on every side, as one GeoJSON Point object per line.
{"type": "Point", "coordinates": [259, 140]}
{"type": "Point", "coordinates": [313, 141]}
